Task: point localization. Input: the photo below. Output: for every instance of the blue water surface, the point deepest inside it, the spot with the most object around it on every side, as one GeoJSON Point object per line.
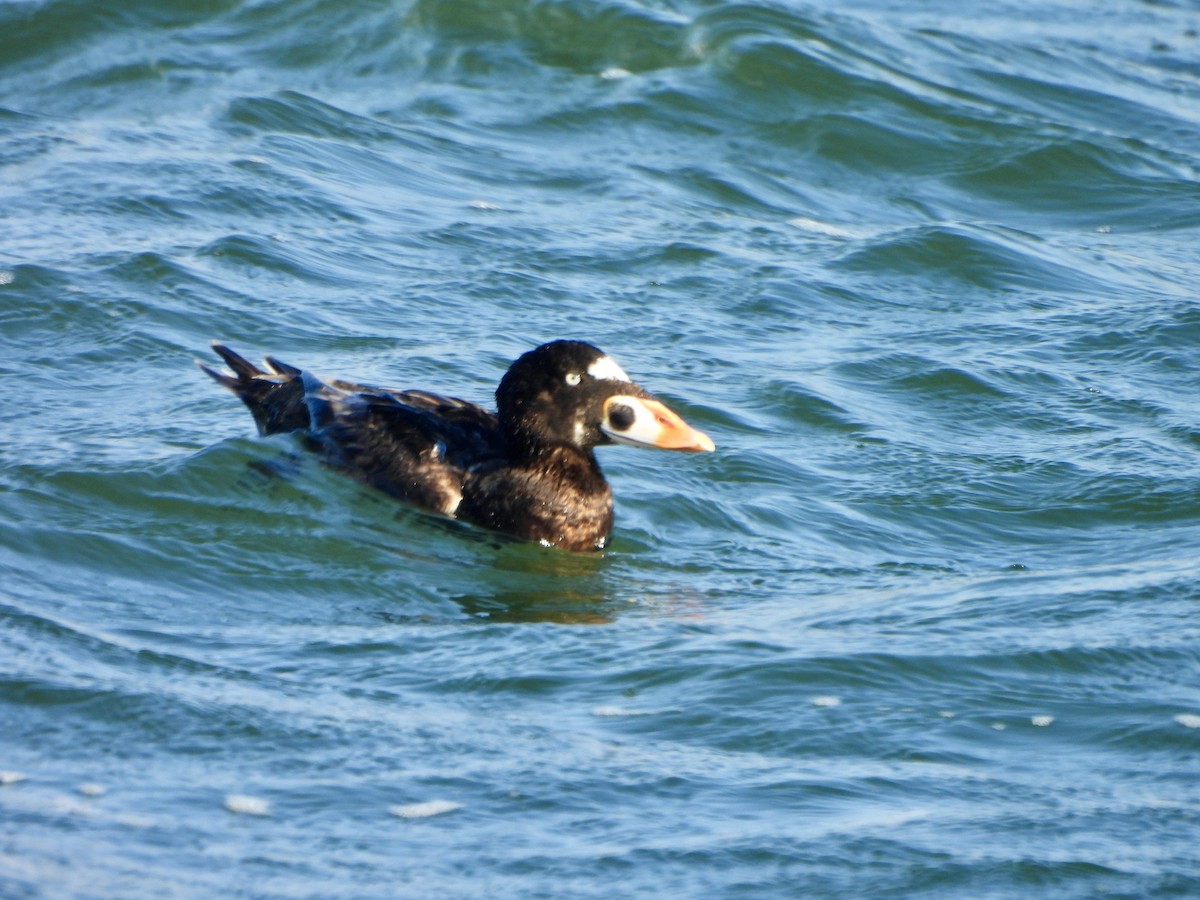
{"type": "Point", "coordinates": [926, 624]}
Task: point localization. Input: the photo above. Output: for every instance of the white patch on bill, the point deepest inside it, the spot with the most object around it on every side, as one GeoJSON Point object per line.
{"type": "Point", "coordinates": [606, 370]}
{"type": "Point", "coordinates": [643, 431]}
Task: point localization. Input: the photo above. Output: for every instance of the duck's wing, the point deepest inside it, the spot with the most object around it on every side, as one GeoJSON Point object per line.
{"type": "Point", "coordinates": [284, 398]}
{"type": "Point", "coordinates": [411, 444]}
{"type": "Point", "coordinates": [470, 434]}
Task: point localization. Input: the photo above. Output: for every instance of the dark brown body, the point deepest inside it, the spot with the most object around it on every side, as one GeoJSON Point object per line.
{"type": "Point", "coordinates": [528, 469]}
{"type": "Point", "coordinates": [440, 453]}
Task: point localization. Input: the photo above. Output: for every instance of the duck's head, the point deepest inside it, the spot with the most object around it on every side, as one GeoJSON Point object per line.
{"type": "Point", "coordinates": [569, 392]}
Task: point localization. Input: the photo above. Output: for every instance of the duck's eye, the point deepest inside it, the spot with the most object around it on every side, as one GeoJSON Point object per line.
{"type": "Point", "coordinates": [621, 416]}
{"type": "Point", "coordinates": [573, 378]}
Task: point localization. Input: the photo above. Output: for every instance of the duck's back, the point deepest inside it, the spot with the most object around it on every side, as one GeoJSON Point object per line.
{"type": "Point", "coordinates": [413, 445]}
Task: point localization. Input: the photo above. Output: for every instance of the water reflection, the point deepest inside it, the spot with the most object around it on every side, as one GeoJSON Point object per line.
{"type": "Point", "coordinates": [409, 553]}
{"type": "Point", "coordinates": [529, 583]}
{"type": "Point", "coordinates": [558, 607]}
{"type": "Point", "coordinates": [536, 585]}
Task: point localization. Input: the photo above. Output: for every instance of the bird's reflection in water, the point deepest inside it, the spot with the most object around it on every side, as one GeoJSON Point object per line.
{"type": "Point", "coordinates": [556, 607]}
{"type": "Point", "coordinates": [531, 584]}
{"type": "Point", "coordinates": [507, 580]}
{"type": "Point", "coordinates": [527, 583]}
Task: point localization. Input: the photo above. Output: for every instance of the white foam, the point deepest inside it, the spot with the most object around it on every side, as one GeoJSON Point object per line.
{"type": "Point", "coordinates": [825, 701]}
{"type": "Point", "coordinates": [608, 711]}
{"type": "Point", "coordinates": [424, 810]}
{"type": "Point", "coordinates": [68, 806]}
{"type": "Point", "coordinates": [999, 726]}
{"type": "Point", "coordinates": [1042, 721]}
{"type": "Point", "coordinates": [816, 227]}
{"type": "Point", "coordinates": [614, 73]}
{"type": "Point", "coordinates": [245, 805]}
{"type": "Point", "coordinates": [1188, 720]}
{"type": "Point", "coordinates": [946, 714]}
{"type": "Point", "coordinates": [10, 777]}
{"type": "Point", "coordinates": [88, 789]}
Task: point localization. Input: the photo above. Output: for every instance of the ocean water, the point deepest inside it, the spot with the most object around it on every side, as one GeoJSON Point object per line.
{"type": "Point", "coordinates": [926, 624]}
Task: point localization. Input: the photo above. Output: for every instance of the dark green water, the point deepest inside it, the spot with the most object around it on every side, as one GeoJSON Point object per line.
{"type": "Point", "coordinates": [925, 625]}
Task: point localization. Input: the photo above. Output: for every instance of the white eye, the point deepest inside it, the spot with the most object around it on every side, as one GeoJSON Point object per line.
{"type": "Point", "coordinates": [573, 378]}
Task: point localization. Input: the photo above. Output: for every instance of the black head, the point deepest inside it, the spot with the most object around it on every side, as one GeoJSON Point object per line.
{"type": "Point", "coordinates": [569, 392]}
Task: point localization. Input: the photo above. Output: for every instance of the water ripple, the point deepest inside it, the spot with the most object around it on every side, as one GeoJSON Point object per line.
{"type": "Point", "coordinates": [924, 624]}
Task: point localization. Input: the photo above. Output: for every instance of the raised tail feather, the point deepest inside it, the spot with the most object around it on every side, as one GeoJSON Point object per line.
{"type": "Point", "coordinates": [275, 396]}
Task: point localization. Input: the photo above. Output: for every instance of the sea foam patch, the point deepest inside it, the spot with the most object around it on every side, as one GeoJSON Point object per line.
{"type": "Point", "coordinates": [424, 810]}
{"type": "Point", "coordinates": [245, 805]}
{"type": "Point", "coordinates": [614, 711]}
{"type": "Point", "coordinates": [817, 227]}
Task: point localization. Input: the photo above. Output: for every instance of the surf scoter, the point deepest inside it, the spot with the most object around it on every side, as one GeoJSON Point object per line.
{"type": "Point", "coordinates": [527, 469]}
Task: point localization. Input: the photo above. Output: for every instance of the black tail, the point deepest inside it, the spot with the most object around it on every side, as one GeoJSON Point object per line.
{"type": "Point", "coordinates": [274, 397]}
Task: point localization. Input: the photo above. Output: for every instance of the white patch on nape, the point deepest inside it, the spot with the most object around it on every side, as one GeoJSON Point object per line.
{"type": "Point", "coordinates": [605, 369]}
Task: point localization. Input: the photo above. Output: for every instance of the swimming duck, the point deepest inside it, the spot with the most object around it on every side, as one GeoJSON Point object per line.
{"type": "Point", "coordinates": [527, 469]}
